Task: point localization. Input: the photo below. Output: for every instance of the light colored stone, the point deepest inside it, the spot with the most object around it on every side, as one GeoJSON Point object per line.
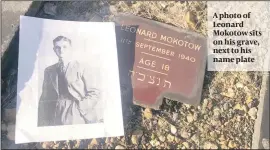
{"type": "Point", "coordinates": [230, 93]}
{"type": "Point", "coordinates": [239, 85]}
{"type": "Point", "coordinates": [190, 118]}
{"type": "Point", "coordinates": [231, 144]}
{"type": "Point", "coordinates": [175, 116]}
{"type": "Point", "coordinates": [195, 139]}
{"type": "Point", "coordinates": [185, 134]}
{"type": "Point", "coordinates": [112, 139]}
{"type": "Point", "coordinates": [210, 145]}
{"type": "Point", "coordinates": [120, 147]}
{"type": "Point", "coordinates": [215, 122]}
{"type": "Point", "coordinates": [170, 138]}
{"type": "Point", "coordinates": [186, 144]}
{"type": "Point", "coordinates": [147, 113]}
{"type": "Point", "coordinates": [107, 140]}
{"type": "Point", "coordinates": [195, 116]}
{"type": "Point", "coordinates": [134, 140]}
{"type": "Point", "coordinates": [173, 129]}
{"type": "Point", "coordinates": [94, 142]}
{"type": "Point", "coordinates": [136, 136]}
{"type": "Point", "coordinates": [162, 138]}
{"type": "Point", "coordinates": [205, 104]}
{"type": "Point", "coordinates": [187, 106]}
{"type": "Point", "coordinates": [176, 139]}
{"type": "Point", "coordinates": [253, 113]}
{"type": "Point", "coordinates": [161, 123]}
{"type": "Point", "coordinates": [155, 143]}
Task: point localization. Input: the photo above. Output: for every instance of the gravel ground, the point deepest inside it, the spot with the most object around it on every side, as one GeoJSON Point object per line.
{"type": "Point", "coordinates": [228, 110]}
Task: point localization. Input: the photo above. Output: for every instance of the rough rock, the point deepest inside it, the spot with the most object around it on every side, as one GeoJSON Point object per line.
{"type": "Point", "coordinates": [195, 139]}
{"type": "Point", "coordinates": [186, 144]}
{"type": "Point", "coordinates": [216, 113]}
{"type": "Point", "coordinates": [147, 113]}
{"type": "Point", "coordinates": [170, 138]}
{"type": "Point", "coordinates": [94, 142]}
{"type": "Point", "coordinates": [47, 145]}
{"type": "Point", "coordinates": [232, 144]}
{"type": "Point", "coordinates": [177, 140]}
{"type": "Point", "coordinates": [253, 113]}
{"type": "Point", "coordinates": [215, 122]}
{"type": "Point", "coordinates": [175, 116]}
{"type": "Point", "coordinates": [154, 143]}
{"type": "Point", "coordinates": [173, 129]}
{"type": "Point", "coordinates": [162, 138]}
{"type": "Point", "coordinates": [190, 118]}
{"type": "Point", "coordinates": [120, 147]}
{"type": "Point", "coordinates": [136, 136]}
{"type": "Point", "coordinates": [239, 85]}
{"type": "Point", "coordinates": [210, 145]}
{"type": "Point", "coordinates": [226, 106]}
{"type": "Point", "coordinates": [230, 93]}
{"type": "Point", "coordinates": [185, 134]}
{"type": "Point", "coordinates": [161, 123]}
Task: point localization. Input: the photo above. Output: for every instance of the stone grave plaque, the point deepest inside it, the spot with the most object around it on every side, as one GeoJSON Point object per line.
{"type": "Point", "coordinates": [160, 61]}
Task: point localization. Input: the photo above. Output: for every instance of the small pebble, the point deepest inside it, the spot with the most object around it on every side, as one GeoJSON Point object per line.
{"type": "Point", "coordinates": [210, 145]}
{"type": "Point", "coordinates": [230, 93]}
{"type": "Point", "coordinates": [195, 116]}
{"type": "Point", "coordinates": [195, 139]}
{"type": "Point", "coordinates": [170, 138]}
{"type": "Point", "coordinates": [155, 143]}
{"type": "Point", "coordinates": [162, 138]}
{"type": "Point", "coordinates": [190, 118]}
{"type": "Point", "coordinates": [173, 129]}
{"type": "Point", "coordinates": [231, 144]}
{"type": "Point", "coordinates": [186, 144]}
{"type": "Point", "coordinates": [216, 113]}
{"type": "Point", "coordinates": [175, 116]}
{"type": "Point", "coordinates": [176, 139]}
{"type": "Point", "coordinates": [226, 106]}
{"type": "Point", "coordinates": [253, 113]}
{"type": "Point", "coordinates": [185, 134]}
{"type": "Point", "coordinates": [239, 85]}
{"type": "Point", "coordinates": [147, 113]}
{"type": "Point", "coordinates": [119, 147]}
{"type": "Point", "coordinates": [136, 136]}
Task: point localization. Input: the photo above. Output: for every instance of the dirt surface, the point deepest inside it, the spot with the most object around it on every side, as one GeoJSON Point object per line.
{"type": "Point", "coordinates": [228, 109]}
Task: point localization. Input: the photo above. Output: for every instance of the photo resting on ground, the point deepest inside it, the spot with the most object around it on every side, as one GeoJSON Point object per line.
{"type": "Point", "coordinates": [135, 75]}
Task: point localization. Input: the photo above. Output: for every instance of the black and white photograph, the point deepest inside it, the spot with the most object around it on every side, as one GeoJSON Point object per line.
{"type": "Point", "coordinates": [68, 81]}
{"type": "Point", "coordinates": [68, 94]}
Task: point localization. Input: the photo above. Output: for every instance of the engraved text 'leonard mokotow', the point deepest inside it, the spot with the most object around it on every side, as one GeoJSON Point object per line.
{"type": "Point", "coordinates": [161, 39]}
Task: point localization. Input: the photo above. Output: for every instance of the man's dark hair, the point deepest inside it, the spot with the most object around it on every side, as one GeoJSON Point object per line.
{"type": "Point", "coordinates": [59, 38]}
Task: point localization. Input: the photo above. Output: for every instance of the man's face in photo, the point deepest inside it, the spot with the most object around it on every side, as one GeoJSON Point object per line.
{"type": "Point", "coordinates": [62, 49]}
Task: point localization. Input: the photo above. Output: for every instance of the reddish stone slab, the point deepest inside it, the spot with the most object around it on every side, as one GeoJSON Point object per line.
{"type": "Point", "coordinates": [166, 62]}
